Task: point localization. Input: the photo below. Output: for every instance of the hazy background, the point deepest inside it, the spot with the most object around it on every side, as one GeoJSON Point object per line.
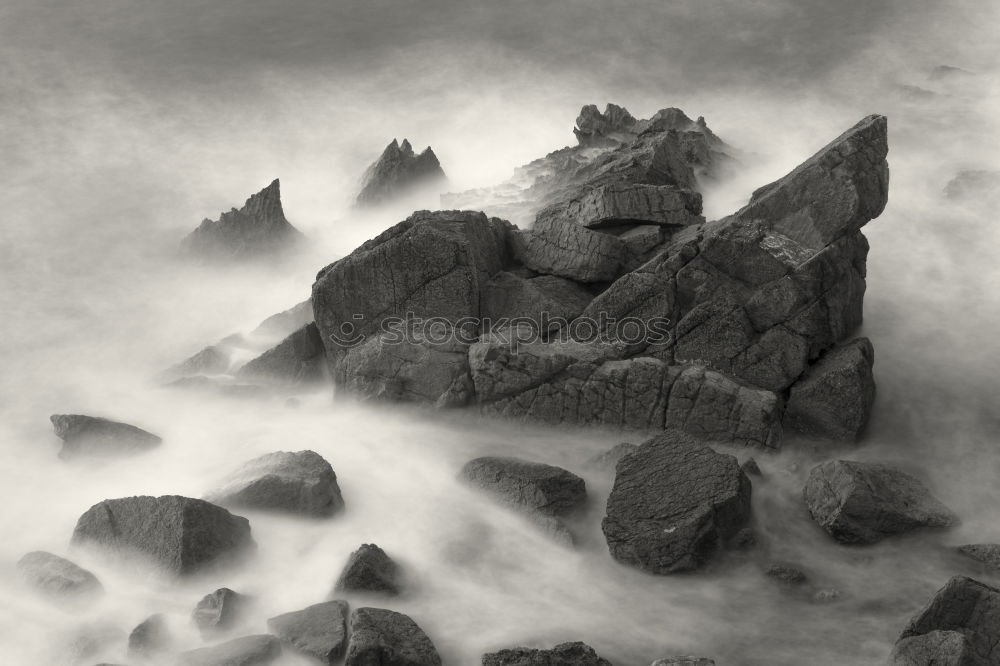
{"type": "Point", "coordinates": [126, 123]}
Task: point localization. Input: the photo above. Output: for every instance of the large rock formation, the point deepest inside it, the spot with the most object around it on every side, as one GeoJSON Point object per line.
{"type": "Point", "coordinates": [564, 654]}
{"type": "Point", "coordinates": [180, 534]}
{"type": "Point", "coordinates": [960, 627]}
{"type": "Point", "coordinates": [318, 631]}
{"type": "Point", "coordinates": [674, 503]}
{"type": "Point", "coordinates": [95, 436]}
{"type": "Point", "coordinates": [57, 577]}
{"type": "Point", "coordinates": [301, 482]}
{"type": "Point", "coordinates": [388, 638]}
{"type": "Point", "coordinates": [862, 503]}
{"type": "Point", "coordinates": [259, 229]}
{"type": "Point", "coordinates": [397, 171]}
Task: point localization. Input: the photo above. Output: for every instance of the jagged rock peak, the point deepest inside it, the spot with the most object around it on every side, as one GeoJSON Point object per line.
{"type": "Point", "coordinates": [596, 128]}
{"type": "Point", "coordinates": [258, 228]}
{"type": "Point", "coordinates": [397, 170]}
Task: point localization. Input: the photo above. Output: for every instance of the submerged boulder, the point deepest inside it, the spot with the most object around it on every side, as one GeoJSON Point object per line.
{"type": "Point", "coordinates": [397, 171]}
{"type": "Point", "coordinates": [318, 631]}
{"type": "Point", "coordinates": [526, 485]}
{"type": "Point", "coordinates": [151, 637]}
{"type": "Point", "coordinates": [256, 230]}
{"type": "Point", "coordinates": [298, 359]}
{"type": "Point", "coordinates": [674, 503]}
{"type": "Point", "coordinates": [57, 577]}
{"type": "Point", "coordinates": [219, 611]}
{"type": "Point", "coordinates": [301, 482]}
{"type": "Point", "coordinates": [387, 638]}
{"type": "Point", "coordinates": [564, 654]}
{"type": "Point", "coordinates": [862, 503]}
{"type": "Point", "coordinates": [95, 436]}
{"type": "Point", "coordinates": [180, 534]}
{"type": "Point", "coordinates": [987, 553]}
{"type": "Point", "coordinates": [369, 570]}
{"type": "Point", "coordinates": [257, 650]}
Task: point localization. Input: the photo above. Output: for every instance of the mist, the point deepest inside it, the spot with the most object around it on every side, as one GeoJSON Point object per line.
{"type": "Point", "coordinates": [127, 123]}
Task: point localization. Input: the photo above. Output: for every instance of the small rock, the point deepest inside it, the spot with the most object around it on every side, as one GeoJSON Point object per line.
{"type": "Point", "coordinates": [245, 651]}
{"type": "Point", "coordinates": [751, 468]}
{"type": "Point", "coordinates": [564, 654]}
{"type": "Point", "coordinates": [987, 553]}
{"type": "Point", "coordinates": [296, 360]}
{"type": "Point", "coordinates": [302, 482]}
{"type": "Point", "coordinates": [786, 575]}
{"type": "Point", "coordinates": [369, 569]}
{"type": "Point", "coordinates": [150, 637]}
{"type": "Point", "coordinates": [95, 436]}
{"type": "Point", "coordinates": [684, 661]}
{"type": "Point", "coordinates": [58, 577]}
{"type": "Point", "coordinates": [220, 610]}
{"type": "Point", "coordinates": [862, 503]}
{"type": "Point", "coordinates": [318, 631]}
{"type": "Point", "coordinates": [387, 638]}
{"type": "Point", "coordinates": [826, 596]}
{"type": "Point", "coordinates": [534, 486]}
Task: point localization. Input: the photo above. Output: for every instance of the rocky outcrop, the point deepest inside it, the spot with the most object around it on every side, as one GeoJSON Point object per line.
{"type": "Point", "coordinates": [180, 534]}
{"type": "Point", "coordinates": [862, 503]}
{"type": "Point", "coordinates": [987, 553]}
{"type": "Point", "coordinates": [257, 650]}
{"type": "Point", "coordinates": [545, 302]}
{"type": "Point", "coordinates": [257, 230]}
{"type": "Point", "coordinates": [564, 654]}
{"type": "Point", "coordinates": [397, 171]}
{"type": "Point", "coordinates": [318, 631]}
{"type": "Point", "coordinates": [960, 626]}
{"type": "Point", "coordinates": [594, 128]}
{"type": "Point", "coordinates": [219, 611]}
{"type": "Point", "coordinates": [150, 638]}
{"type": "Point", "coordinates": [674, 503]}
{"type": "Point", "coordinates": [369, 571]}
{"type": "Point", "coordinates": [298, 359]}
{"type": "Point", "coordinates": [58, 578]}
{"type": "Point", "coordinates": [300, 482]}
{"type": "Point", "coordinates": [387, 638]}
{"type": "Point", "coordinates": [834, 397]}
{"type": "Point", "coordinates": [85, 436]}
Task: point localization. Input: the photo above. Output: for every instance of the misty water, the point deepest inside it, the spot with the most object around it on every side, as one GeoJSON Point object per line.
{"type": "Point", "coordinates": [107, 167]}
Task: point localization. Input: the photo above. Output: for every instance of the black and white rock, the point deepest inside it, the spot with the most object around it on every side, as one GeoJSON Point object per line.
{"type": "Point", "coordinates": [220, 611]}
{"type": "Point", "coordinates": [786, 574]}
{"type": "Point", "coordinates": [257, 650]}
{"type": "Point", "coordinates": [674, 503]}
{"type": "Point", "coordinates": [564, 654]}
{"type": "Point", "coordinates": [609, 459]}
{"type": "Point", "coordinates": [85, 436]}
{"type": "Point", "coordinates": [987, 553]}
{"type": "Point", "coordinates": [960, 626]}
{"type": "Point", "coordinates": [257, 230]}
{"type": "Point", "coordinates": [369, 570]}
{"type": "Point", "coordinates": [387, 638]}
{"type": "Point", "coordinates": [58, 578]}
{"type": "Point", "coordinates": [862, 503]}
{"type": "Point", "coordinates": [180, 534]}
{"type": "Point", "coordinates": [150, 638]}
{"type": "Point", "coordinates": [318, 631]}
{"type": "Point", "coordinates": [300, 482]}
{"type": "Point", "coordinates": [296, 360]}
{"type": "Point", "coordinates": [397, 171]}
{"type": "Point", "coordinates": [527, 485]}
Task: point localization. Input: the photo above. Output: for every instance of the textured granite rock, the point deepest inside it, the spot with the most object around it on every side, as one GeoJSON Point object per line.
{"type": "Point", "coordinates": [546, 302]}
{"type": "Point", "coordinates": [369, 570]}
{"type": "Point", "coordinates": [318, 631]}
{"type": "Point", "coordinates": [58, 578]}
{"type": "Point", "coordinates": [298, 359]}
{"type": "Point", "coordinates": [564, 654]}
{"type": "Point", "coordinates": [397, 171]}
{"type": "Point", "coordinates": [219, 611]}
{"type": "Point", "coordinates": [526, 485]}
{"type": "Point", "coordinates": [388, 638]}
{"type": "Point", "coordinates": [85, 436]}
{"type": "Point", "coordinates": [987, 553]}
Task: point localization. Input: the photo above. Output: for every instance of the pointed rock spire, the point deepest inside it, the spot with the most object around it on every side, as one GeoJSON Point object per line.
{"type": "Point", "coordinates": [398, 169]}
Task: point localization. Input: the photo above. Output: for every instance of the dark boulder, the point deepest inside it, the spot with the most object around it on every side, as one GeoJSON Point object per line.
{"type": "Point", "coordinates": [300, 482]}
{"type": "Point", "coordinates": [369, 570]}
{"type": "Point", "coordinates": [593, 128]}
{"type": "Point", "coordinates": [564, 654]}
{"type": "Point", "coordinates": [387, 638]}
{"type": "Point", "coordinates": [180, 534]}
{"type": "Point", "coordinates": [219, 611]}
{"type": "Point", "coordinates": [959, 627]}
{"type": "Point", "coordinates": [298, 359]}
{"type": "Point", "coordinates": [674, 503]}
{"type": "Point", "coordinates": [530, 486]}
{"type": "Point", "coordinates": [259, 229]}
{"type": "Point", "coordinates": [834, 397]}
{"type": "Point", "coordinates": [255, 650]}
{"type": "Point", "coordinates": [987, 553]}
{"type": "Point", "coordinates": [57, 577]}
{"type": "Point", "coordinates": [397, 171]}
{"type": "Point", "coordinates": [684, 661]}
{"type": "Point", "coordinates": [861, 503]}
{"type": "Point", "coordinates": [786, 574]}
{"type": "Point", "coordinates": [96, 436]}
{"type": "Point", "coordinates": [556, 300]}
{"type": "Point", "coordinates": [318, 631]}
{"type": "Point", "coordinates": [150, 638]}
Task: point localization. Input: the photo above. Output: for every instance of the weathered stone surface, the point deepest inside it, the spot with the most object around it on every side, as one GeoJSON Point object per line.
{"type": "Point", "coordinates": [151, 637]}
{"type": "Point", "coordinates": [615, 125]}
{"type": "Point", "coordinates": [526, 485]}
{"type": "Point", "coordinates": [987, 553]}
{"type": "Point", "coordinates": [615, 204]}
{"type": "Point", "coordinates": [369, 570]}
{"type": "Point", "coordinates": [564, 654]}
{"type": "Point", "coordinates": [256, 230]}
{"type": "Point", "coordinates": [960, 626]}
{"type": "Point", "coordinates": [219, 611]}
{"type": "Point", "coordinates": [557, 245]}
{"type": "Point", "coordinates": [387, 638]}
{"type": "Point", "coordinates": [861, 503]}
{"type": "Point", "coordinates": [318, 631]}
{"type": "Point", "coordinates": [555, 300]}
{"type": "Point", "coordinates": [95, 436]}
{"type": "Point", "coordinates": [245, 651]}
{"type": "Point", "coordinates": [180, 534]}
{"type": "Point", "coordinates": [57, 577]}
{"type": "Point", "coordinates": [298, 359]}
{"type": "Point", "coordinates": [673, 503]}
{"type": "Point", "coordinates": [396, 171]}
{"type": "Point", "coordinates": [834, 398]}
{"type": "Point", "coordinates": [301, 482]}
{"type": "Point", "coordinates": [786, 574]}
